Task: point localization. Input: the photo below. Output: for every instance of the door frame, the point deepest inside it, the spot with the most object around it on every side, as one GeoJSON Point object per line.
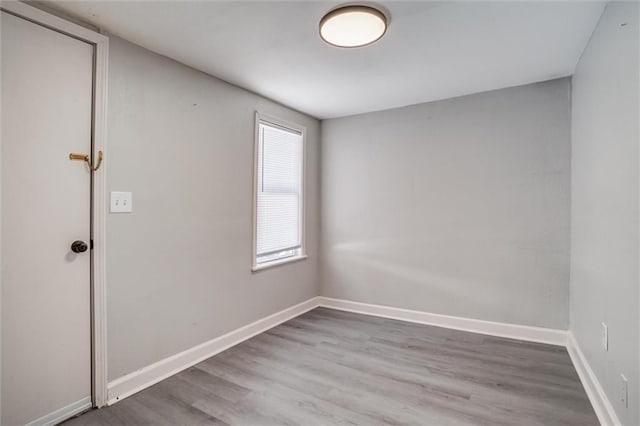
{"type": "Point", "coordinates": [98, 318]}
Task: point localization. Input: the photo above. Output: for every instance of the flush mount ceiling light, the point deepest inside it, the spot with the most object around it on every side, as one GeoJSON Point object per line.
{"type": "Point", "coordinates": [353, 26]}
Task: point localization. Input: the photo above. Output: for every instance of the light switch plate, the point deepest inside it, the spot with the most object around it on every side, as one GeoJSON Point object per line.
{"type": "Point", "coordinates": [121, 202]}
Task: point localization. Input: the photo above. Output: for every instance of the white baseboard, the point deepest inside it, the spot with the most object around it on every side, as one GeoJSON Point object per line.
{"type": "Point", "coordinates": [63, 413]}
{"type": "Point", "coordinates": [147, 376]}
{"type": "Point", "coordinates": [601, 404]}
{"type": "Point", "coordinates": [152, 374]}
{"type": "Point", "coordinates": [521, 332]}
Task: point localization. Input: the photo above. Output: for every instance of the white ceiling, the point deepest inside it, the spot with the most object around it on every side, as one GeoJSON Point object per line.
{"type": "Point", "coordinates": [432, 50]}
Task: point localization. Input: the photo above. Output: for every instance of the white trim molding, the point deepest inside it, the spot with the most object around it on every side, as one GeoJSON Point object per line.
{"type": "Point", "coordinates": [138, 380]}
{"type": "Point", "coordinates": [601, 404]}
{"type": "Point", "coordinates": [152, 374]}
{"type": "Point", "coordinates": [63, 413]}
{"type": "Point", "coordinates": [513, 331]}
{"type": "Point", "coordinates": [100, 44]}
{"type": "Point", "coordinates": [98, 228]}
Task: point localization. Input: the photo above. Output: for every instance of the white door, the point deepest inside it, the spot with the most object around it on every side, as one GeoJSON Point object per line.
{"type": "Point", "coordinates": [46, 114]}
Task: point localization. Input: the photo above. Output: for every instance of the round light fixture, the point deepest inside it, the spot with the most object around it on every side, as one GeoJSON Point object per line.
{"type": "Point", "coordinates": [353, 26]}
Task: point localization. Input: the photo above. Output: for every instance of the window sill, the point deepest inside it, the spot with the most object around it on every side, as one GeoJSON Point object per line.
{"type": "Point", "coordinates": [278, 263]}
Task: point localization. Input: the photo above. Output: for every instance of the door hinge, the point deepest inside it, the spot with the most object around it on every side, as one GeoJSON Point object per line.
{"type": "Point", "coordinates": [90, 244]}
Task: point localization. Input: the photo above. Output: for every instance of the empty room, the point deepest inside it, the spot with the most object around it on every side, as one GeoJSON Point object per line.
{"type": "Point", "coordinates": [261, 213]}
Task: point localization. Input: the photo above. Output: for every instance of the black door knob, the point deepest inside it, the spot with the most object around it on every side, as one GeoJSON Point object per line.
{"type": "Point", "coordinates": [79, 246]}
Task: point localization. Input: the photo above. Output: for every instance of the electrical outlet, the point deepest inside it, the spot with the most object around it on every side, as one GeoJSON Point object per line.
{"type": "Point", "coordinates": [624, 391]}
{"type": "Point", "coordinates": [605, 337]}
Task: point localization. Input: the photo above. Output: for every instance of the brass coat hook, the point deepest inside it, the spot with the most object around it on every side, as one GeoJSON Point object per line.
{"type": "Point", "coordinates": [85, 158]}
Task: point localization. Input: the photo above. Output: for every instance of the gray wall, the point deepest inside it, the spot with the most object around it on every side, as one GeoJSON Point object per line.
{"type": "Point", "coordinates": [604, 210]}
{"type": "Point", "coordinates": [179, 267]}
{"type": "Point", "coordinates": [457, 207]}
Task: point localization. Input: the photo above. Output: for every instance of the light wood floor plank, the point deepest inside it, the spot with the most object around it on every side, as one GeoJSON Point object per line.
{"type": "Point", "coordinates": [329, 367]}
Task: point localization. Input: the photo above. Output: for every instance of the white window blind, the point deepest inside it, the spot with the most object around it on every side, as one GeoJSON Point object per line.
{"type": "Point", "coordinates": [279, 192]}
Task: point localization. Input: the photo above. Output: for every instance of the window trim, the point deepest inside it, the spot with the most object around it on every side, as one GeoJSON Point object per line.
{"type": "Point", "coordinates": [265, 118]}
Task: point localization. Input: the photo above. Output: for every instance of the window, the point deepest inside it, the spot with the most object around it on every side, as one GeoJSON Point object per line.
{"type": "Point", "coordinates": [279, 198]}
